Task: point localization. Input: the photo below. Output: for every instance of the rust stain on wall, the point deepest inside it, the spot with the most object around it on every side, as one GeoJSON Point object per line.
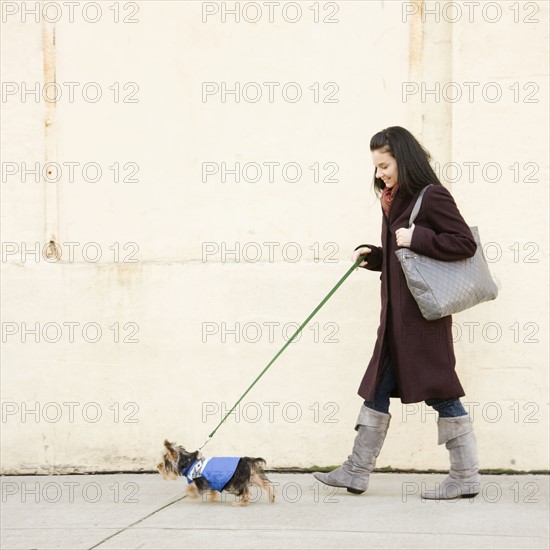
{"type": "Point", "coordinates": [416, 38]}
{"type": "Point", "coordinates": [416, 58]}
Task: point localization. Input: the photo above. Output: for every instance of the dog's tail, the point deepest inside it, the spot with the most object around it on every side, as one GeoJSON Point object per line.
{"type": "Point", "coordinates": [258, 463]}
{"type": "Point", "coordinates": [257, 466]}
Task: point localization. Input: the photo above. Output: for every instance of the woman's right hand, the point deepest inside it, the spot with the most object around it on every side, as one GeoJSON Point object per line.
{"type": "Point", "coordinates": [360, 252]}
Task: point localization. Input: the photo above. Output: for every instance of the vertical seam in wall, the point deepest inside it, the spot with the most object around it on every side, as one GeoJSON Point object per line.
{"type": "Point", "coordinates": [421, 32]}
{"type": "Point", "coordinates": [50, 138]}
{"type": "Point", "coordinates": [451, 107]}
{"type": "Point", "coordinates": [416, 49]}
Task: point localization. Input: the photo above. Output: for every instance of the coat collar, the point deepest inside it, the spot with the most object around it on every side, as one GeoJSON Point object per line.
{"type": "Point", "coordinates": [402, 206]}
{"type": "Point", "coordinates": [399, 205]}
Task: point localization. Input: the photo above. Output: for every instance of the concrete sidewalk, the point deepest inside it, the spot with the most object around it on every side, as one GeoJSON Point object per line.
{"type": "Point", "coordinates": [129, 511]}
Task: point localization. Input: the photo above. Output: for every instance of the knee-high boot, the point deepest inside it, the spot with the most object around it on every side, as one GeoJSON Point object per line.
{"type": "Point", "coordinates": [354, 473]}
{"type": "Point", "coordinates": [463, 480]}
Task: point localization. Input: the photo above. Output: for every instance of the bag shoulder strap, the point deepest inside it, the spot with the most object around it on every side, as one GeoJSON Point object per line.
{"type": "Point", "coordinates": [417, 205]}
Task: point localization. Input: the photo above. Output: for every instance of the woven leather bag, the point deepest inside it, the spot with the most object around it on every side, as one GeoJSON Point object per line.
{"type": "Point", "coordinates": [443, 288]}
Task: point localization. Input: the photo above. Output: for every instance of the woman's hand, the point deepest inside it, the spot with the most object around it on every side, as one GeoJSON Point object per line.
{"type": "Point", "coordinates": [360, 252]}
{"type": "Point", "coordinates": [404, 235]}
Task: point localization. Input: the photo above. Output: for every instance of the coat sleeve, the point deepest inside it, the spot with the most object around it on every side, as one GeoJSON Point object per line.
{"type": "Point", "coordinates": [448, 238]}
{"type": "Point", "coordinates": [374, 258]}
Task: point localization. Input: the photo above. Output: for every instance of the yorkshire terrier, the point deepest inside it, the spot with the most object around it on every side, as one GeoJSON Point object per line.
{"type": "Point", "coordinates": [213, 475]}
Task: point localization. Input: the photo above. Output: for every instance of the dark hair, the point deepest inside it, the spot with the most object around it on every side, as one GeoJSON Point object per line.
{"type": "Point", "coordinates": [413, 161]}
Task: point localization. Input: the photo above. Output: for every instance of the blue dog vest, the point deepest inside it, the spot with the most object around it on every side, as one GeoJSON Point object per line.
{"type": "Point", "coordinates": [216, 470]}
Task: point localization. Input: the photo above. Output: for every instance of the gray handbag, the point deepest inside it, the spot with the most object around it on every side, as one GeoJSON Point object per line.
{"type": "Point", "coordinates": [443, 288]}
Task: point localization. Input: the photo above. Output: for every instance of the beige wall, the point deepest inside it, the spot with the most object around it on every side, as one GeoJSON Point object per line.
{"type": "Point", "coordinates": [108, 404]}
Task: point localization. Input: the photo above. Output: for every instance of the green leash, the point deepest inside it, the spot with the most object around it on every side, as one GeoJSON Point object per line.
{"type": "Point", "coordinates": [323, 302]}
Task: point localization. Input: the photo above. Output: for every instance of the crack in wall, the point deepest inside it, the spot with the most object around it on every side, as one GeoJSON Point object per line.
{"type": "Point", "coordinates": [50, 133]}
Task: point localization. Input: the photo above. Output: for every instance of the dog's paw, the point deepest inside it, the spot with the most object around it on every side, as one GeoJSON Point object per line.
{"type": "Point", "coordinates": [210, 496]}
{"type": "Point", "coordinates": [240, 503]}
{"type": "Point", "coordinates": [191, 492]}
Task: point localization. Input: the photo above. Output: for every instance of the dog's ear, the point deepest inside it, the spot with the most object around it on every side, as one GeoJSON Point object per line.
{"type": "Point", "coordinates": [170, 448]}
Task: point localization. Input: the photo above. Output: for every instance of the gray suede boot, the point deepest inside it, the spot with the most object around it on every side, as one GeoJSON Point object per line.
{"type": "Point", "coordinates": [371, 428]}
{"type": "Point", "coordinates": [463, 480]}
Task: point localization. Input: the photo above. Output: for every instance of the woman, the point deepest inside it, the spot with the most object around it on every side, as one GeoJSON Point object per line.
{"type": "Point", "coordinates": [413, 358]}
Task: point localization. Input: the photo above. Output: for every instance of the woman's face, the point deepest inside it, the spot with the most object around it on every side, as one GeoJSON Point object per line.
{"type": "Point", "coordinates": [386, 167]}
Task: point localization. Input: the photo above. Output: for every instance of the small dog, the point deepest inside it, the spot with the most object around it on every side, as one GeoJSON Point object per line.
{"type": "Point", "coordinates": [214, 475]}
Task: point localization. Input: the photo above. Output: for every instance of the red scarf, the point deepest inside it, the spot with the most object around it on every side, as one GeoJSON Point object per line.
{"type": "Point", "coordinates": [387, 197]}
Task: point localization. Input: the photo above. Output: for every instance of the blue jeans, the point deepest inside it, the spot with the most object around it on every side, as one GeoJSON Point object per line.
{"type": "Point", "coordinates": [447, 408]}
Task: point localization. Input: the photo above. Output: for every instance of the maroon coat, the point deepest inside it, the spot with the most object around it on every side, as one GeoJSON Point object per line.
{"type": "Point", "coordinates": [421, 351]}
